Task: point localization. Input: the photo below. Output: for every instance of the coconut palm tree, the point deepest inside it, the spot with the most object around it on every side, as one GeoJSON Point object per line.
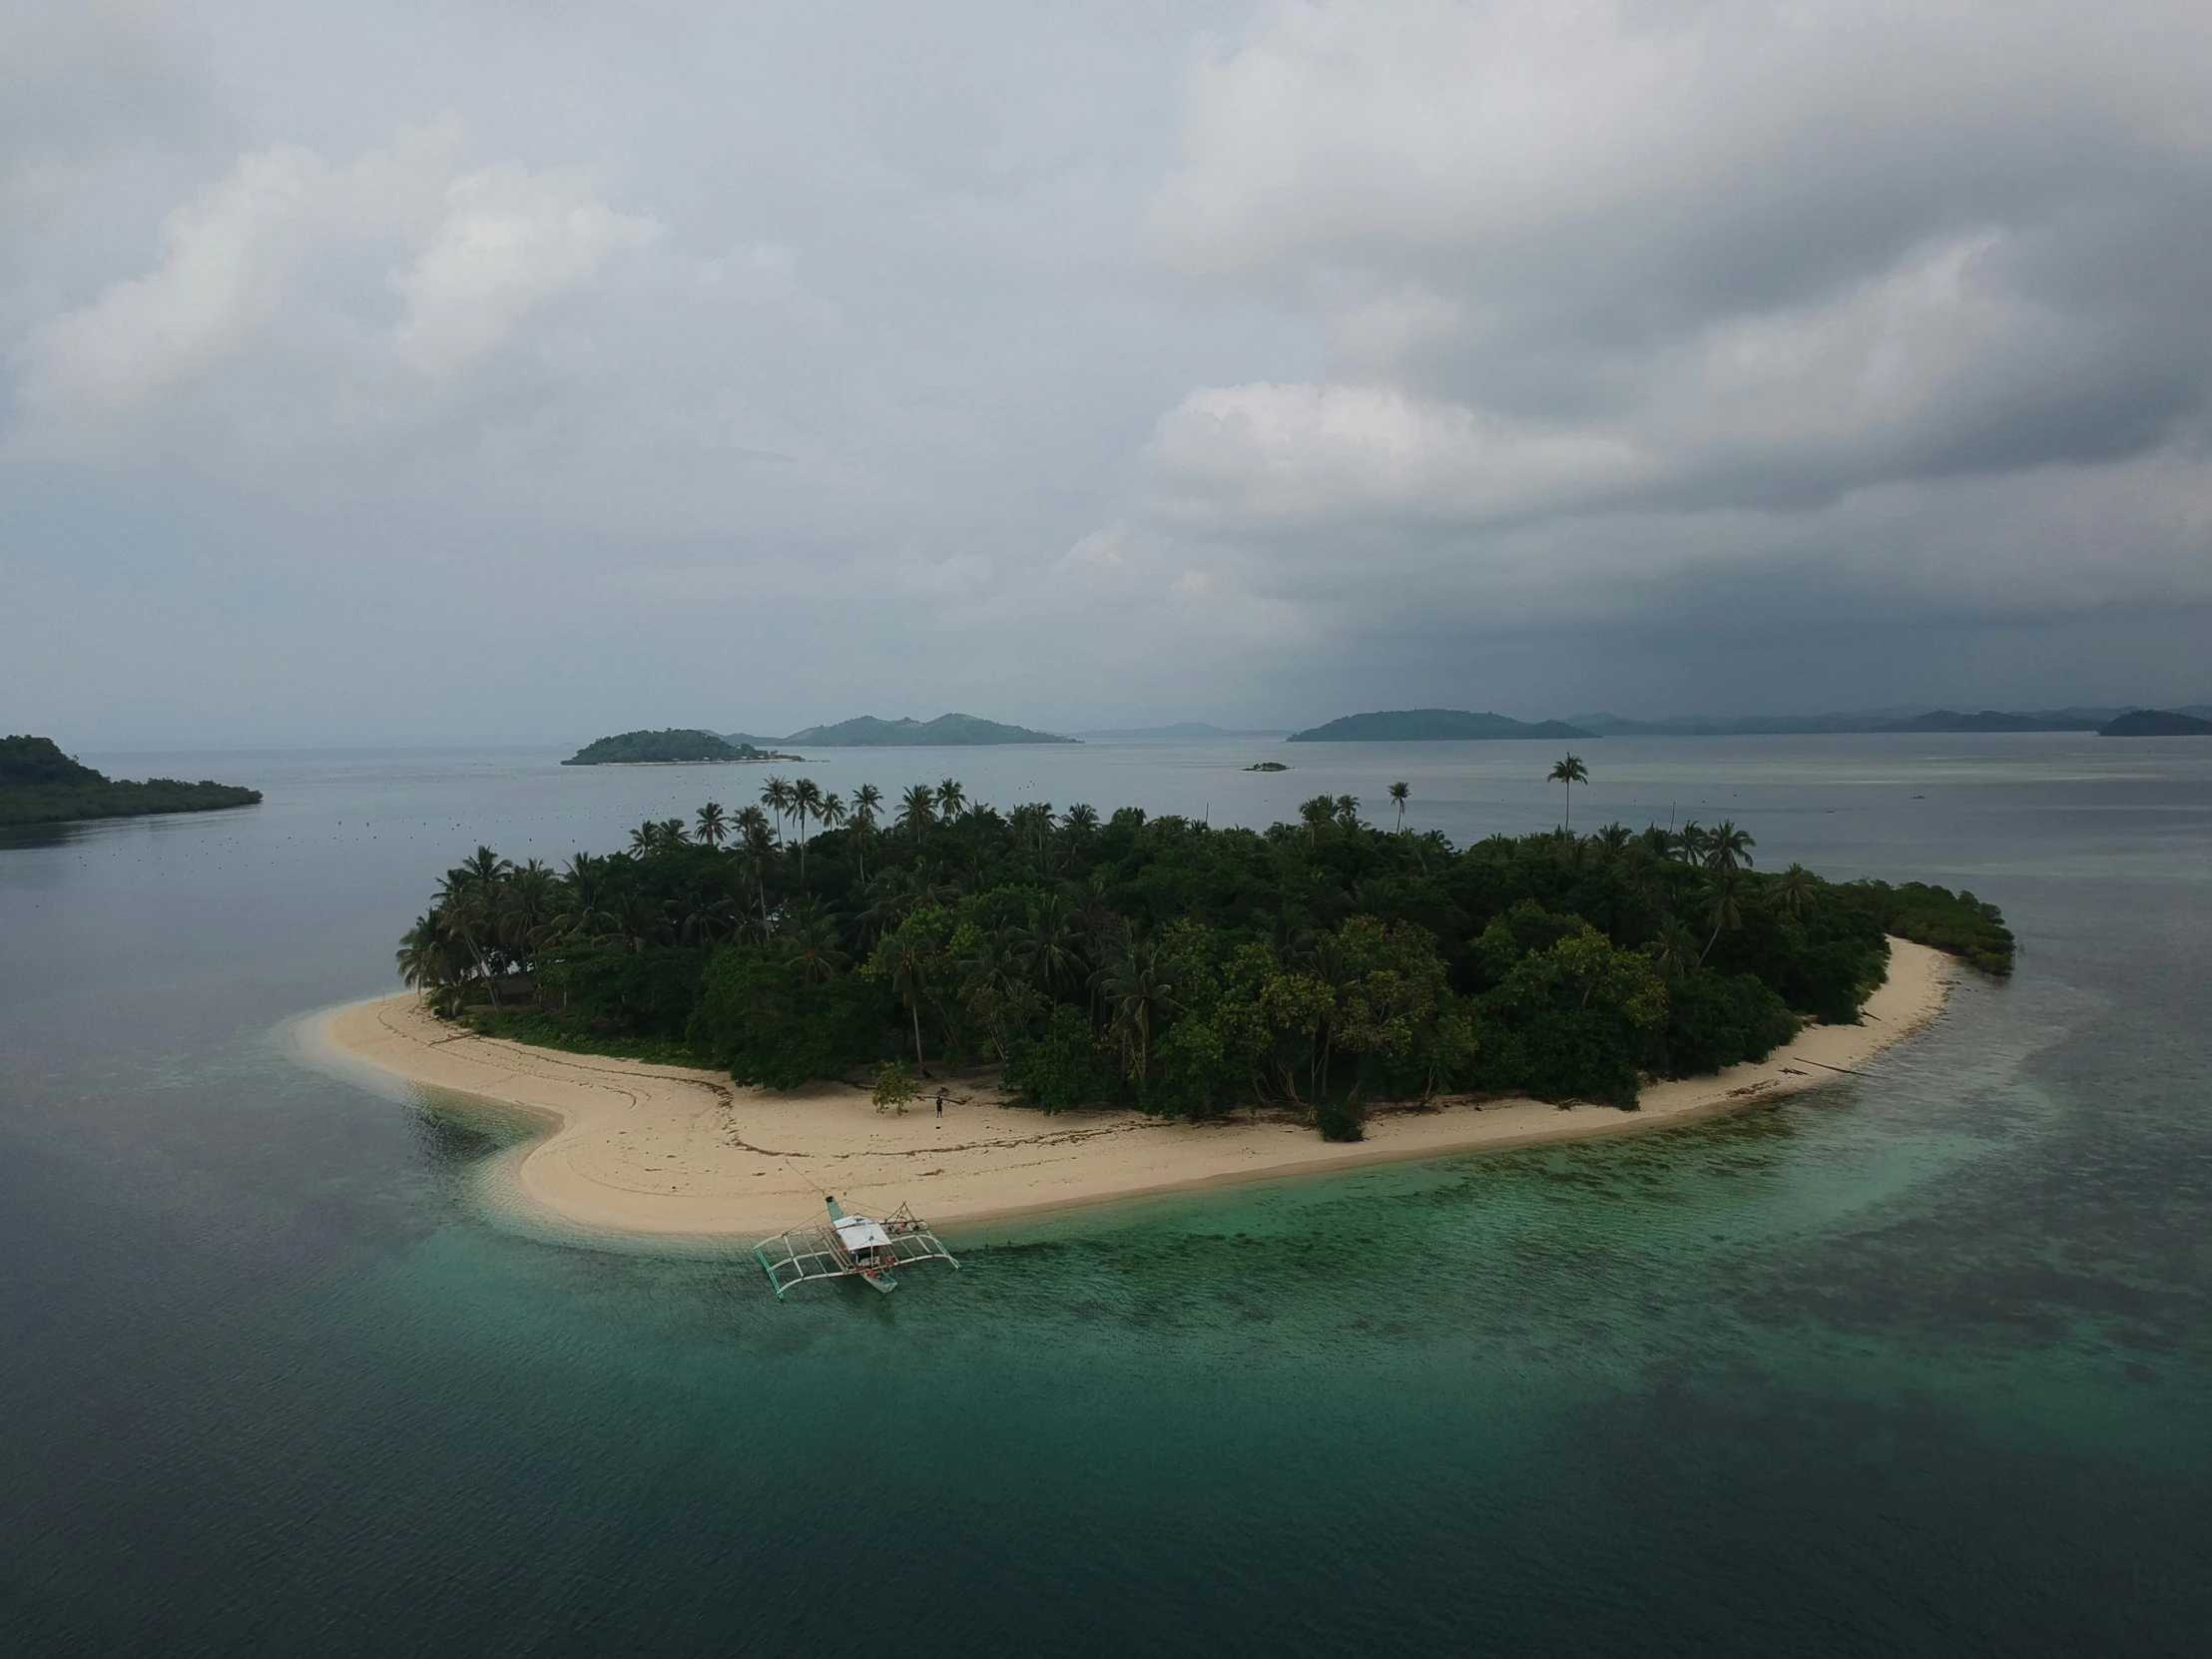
{"type": "Point", "coordinates": [1050, 946]}
{"type": "Point", "coordinates": [1674, 950]}
{"type": "Point", "coordinates": [917, 809]}
{"type": "Point", "coordinates": [1793, 890]}
{"type": "Point", "coordinates": [1399, 794]}
{"type": "Point", "coordinates": [1722, 898]}
{"type": "Point", "coordinates": [1569, 771]}
{"type": "Point", "coordinates": [714, 823]}
{"type": "Point", "coordinates": [805, 803]}
{"type": "Point", "coordinates": [1140, 997]}
{"type": "Point", "coordinates": [951, 799]}
{"type": "Point", "coordinates": [809, 941]}
{"type": "Point", "coordinates": [1315, 813]}
{"type": "Point", "coordinates": [863, 834]}
{"type": "Point", "coordinates": [431, 960]}
{"type": "Point", "coordinates": [1727, 848]}
{"type": "Point", "coordinates": [775, 795]}
{"type": "Point", "coordinates": [904, 964]}
{"type": "Point", "coordinates": [1348, 811]}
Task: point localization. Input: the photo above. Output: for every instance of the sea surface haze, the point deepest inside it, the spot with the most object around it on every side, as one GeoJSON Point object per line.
{"type": "Point", "coordinates": [1919, 1363]}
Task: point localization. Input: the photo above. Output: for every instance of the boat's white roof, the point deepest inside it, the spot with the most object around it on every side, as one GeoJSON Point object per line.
{"type": "Point", "coordinates": [858, 1233]}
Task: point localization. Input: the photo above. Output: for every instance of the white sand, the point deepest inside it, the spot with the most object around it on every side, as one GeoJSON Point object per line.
{"type": "Point", "coordinates": [665, 1150]}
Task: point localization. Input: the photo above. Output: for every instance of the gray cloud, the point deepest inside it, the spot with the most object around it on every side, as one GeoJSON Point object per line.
{"type": "Point", "coordinates": [1110, 364]}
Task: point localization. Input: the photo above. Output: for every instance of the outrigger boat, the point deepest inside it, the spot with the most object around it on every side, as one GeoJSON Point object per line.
{"type": "Point", "coordinates": [851, 1247]}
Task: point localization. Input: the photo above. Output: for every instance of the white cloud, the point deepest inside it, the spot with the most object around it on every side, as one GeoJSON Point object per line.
{"type": "Point", "coordinates": [508, 241]}
{"type": "Point", "coordinates": [1276, 454]}
{"type": "Point", "coordinates": [259, 309]}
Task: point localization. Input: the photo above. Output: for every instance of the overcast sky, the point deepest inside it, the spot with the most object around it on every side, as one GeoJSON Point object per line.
{"type": "Point", "coordinates": [529, 369]}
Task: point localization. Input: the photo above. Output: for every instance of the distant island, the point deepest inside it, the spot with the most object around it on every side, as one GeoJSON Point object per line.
{"type": "Point", "coordinates": [1184, 730]}
{"type": "Point", "coordinates": [1266, 766]}
{"type": "Point", "coordinates": [675, 747]}
{"type": "Point", "coordinates": [945, 732]}
{"type": "Point", "coordinates": [2155, 723]}
{"type": "Point", "coordinates": [41, 784]}
{"type": "Point", "coordinates": [1415, 724]}
{"type": "Point", "coordinates": [1432, 725]}
{"type": "Point", "coordinates": [1932, 721]}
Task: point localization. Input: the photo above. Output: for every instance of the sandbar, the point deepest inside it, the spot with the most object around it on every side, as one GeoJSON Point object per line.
{"type": "Point", "coordinates": [667, 1150]}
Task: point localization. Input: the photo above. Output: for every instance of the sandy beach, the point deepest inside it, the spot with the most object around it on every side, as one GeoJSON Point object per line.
{"type": "Point", "coordinates": [668, 1151]}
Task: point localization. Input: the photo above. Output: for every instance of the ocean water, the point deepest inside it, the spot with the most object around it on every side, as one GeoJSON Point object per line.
{"type": "Point", "coordinates": [1916, 1363]}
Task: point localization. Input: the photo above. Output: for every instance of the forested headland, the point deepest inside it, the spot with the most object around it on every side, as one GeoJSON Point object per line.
{"type": "Point", "coordinates": [41, 784]}
{"type": "Point", "coordinates": [1317, 967]}
{"type": "Point", "coordinates": [678, 745]}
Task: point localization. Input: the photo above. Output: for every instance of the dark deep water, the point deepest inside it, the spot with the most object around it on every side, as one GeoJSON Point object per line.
{"type": "Point", "coordinates": [1917, 1364]}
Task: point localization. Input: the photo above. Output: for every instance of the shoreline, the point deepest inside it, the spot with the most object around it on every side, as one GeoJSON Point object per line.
{"type": "Point", "coordinates": [669, 1152]}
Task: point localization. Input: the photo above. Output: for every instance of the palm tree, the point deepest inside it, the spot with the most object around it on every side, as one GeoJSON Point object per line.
{"type": "Point", "coordinates": [1723, 908]}
{"type": "Point", "coordinates": [1689, 843]}
{"type": "Point", "coordinates": [776, 798]}
{"type": "Point", "coordinates": [909, 971]}
{"type": "Point", "coordinates": [1569, 771]}
{"type": "Point", "coordinates": [916, 808]}
{"type": "Point", "coordinates": [1674, 950]}
{"type": "Point", "coordinates": [950, 798]}
{"type": "Point", "coordinates": [1079, 821]}
{"type": "Point", "coordinates": [1793, 890]}
{"type": "Point", "coordinates": [1315, 813]}
{"type": "Point", "coordinates": [672, 833]}
{"type": "Point", "coordinates": [1051, 948]}
{"type": "Point", "coordinates": [1141, 997]}
{"type": "Point", "coordinates": [1727, 848]}
{"type": "Point", "coordinates": [1348, 811]}
{"type": "Point", "coordinates": [805, 803]}
{"type": "Point", "coordinates": [809, 941]}
{"type": "Point", "coordinates": [430, 959]}
{"type": "Point", "coordinates": [645, 840]}
{"type": "Point", "coordinates": [714, 823]}
{"type": "Point", "coordinates": [1399, 794]}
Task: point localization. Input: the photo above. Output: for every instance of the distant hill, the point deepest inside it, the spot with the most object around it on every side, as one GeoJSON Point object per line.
{"type": "Point", "coordinates": [946, 731]}
{"type": "Point", "coordinates": [41, 784]}
{"type": "Point", "coordinates": [1434, 725]}
{"type": "Point", "coordinates": [1992, 719]}
{"type": "Point", "coordinates": [675, 747]}
{"type": "Point", "coordinates": [1869, 720]}
{"type": "Point", "coordinates": [2156, 723]}
{"type": "Point", "coordinates": [1187, 731]}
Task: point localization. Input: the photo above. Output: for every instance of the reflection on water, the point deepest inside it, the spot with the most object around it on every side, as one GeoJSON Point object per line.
{"type": "Point", "coordinates": [1916, 1363]}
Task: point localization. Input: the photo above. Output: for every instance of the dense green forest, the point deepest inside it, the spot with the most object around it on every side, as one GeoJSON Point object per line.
{"type": "Point", "coordinates": [674, 746]}
{"type": "Point", "coordinates": [1319, 966]}
{"type": "Point", "coordinates": [41, 784]}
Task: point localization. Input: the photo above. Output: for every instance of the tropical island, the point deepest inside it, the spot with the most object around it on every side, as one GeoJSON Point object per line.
{"type": "Point", "coordinates": [41, 784]}
{"type": "Point", "coordinates": [1433, 725]}
{"type": "Point", "coordinates": [945, 732]}
{"type": "Point", "coordinates": [1205, 1000]}
{"type": "Point", "coordinates": [675, 747]}
{"type": "Point", "coordinates": [2155, 723]}
{"type": "Point", "coordinates": [1412, 725]}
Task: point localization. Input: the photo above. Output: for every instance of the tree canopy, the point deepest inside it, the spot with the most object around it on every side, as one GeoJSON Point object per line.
{"type": "Point", "coordinates": [1316, 967]}
{"type": "Point", "coordinates": [41, 784]}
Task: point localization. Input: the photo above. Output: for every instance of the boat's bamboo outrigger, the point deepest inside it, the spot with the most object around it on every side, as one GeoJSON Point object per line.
{"type": "Point", "coordinates": [849, 1246]}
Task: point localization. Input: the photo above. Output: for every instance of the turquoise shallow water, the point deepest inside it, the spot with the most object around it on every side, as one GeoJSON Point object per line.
{"type": "Point", "coordinates": [1918, 1362]}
